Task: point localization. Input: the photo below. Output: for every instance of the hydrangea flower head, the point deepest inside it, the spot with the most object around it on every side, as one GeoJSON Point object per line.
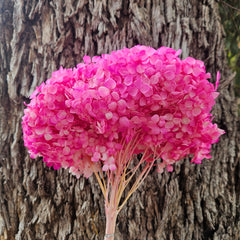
{"type": "Point", "coordinates": [82, 118]}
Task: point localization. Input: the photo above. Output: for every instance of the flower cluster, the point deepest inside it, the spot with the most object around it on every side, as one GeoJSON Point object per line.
{"type": "Point", "coordinates": [80, 118]}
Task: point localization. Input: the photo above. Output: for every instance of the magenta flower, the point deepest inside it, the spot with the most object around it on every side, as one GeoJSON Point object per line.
{"type": "Point", "coordinates": [89, 111]}
{"type": "Point", "coordinates": [98, 115]}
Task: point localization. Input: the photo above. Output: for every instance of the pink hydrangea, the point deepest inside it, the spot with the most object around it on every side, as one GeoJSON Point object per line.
{"type": "Point", "coordinates": [80, 118]}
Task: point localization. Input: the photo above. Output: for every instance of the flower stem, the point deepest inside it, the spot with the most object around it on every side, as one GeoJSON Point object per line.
{"type": "Point", "coordinates": [111, 206]}
{"type": "Point", "coordinates": [117, 182]}
{"type": "Point", "coordinates": [111, 218]}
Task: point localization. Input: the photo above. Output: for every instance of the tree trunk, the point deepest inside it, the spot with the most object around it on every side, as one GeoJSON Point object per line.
{"type": "Point", "coordinates": [39, 203]}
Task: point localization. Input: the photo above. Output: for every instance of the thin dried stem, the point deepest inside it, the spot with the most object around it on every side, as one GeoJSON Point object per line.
{"type": "Point", "coordinates": [137, 183]}
{"type": "Point", "coordinates": [101, 173]}
{"type": "Point", "coordinates": [101, 183]}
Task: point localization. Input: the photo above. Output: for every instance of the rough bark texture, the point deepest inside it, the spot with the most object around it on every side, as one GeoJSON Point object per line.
{"type": "Point", "coordinates": [39, 203]}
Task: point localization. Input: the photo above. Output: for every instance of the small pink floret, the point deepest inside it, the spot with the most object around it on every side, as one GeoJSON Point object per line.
{"type": "Point", "coordinates": [103, 91]}
{"type": "Point", "coordinates": [169, 168]}
{"type": "Point", "coordinates": [124, 121]}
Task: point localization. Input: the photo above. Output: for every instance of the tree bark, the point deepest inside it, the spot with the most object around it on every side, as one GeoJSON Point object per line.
{"type": "Point", "coordinates": [37, 202]}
